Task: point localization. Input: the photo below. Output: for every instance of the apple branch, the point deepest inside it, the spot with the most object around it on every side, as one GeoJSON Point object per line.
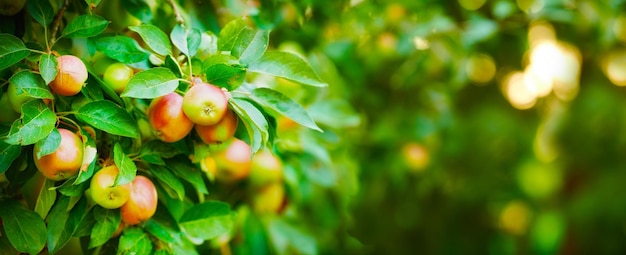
{"type": "Point", "coordinates": [179, 18]}
{"type": "Point", "coordinates": [57, 23]}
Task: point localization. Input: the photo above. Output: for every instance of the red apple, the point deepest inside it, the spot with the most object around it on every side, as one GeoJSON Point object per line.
{"type": "Point", "coordinates": [205, 104]}
{"type": "Point", "coordinates": [104, 193]}
{"type": "Point", "coordinates": [269, 199]}
{"type": "Point", "coordinates": [71, 76]}
{"type": "Point", "coordinates": [167, 118]}
{"type": "Point", "coordinates": [233, 163]}
{"type": "Point", "coordinates": [65, 161]}
{"type": "Point", "coordinates": [219, 132]}
{"type": "Point", "coordinates": [142, 203]}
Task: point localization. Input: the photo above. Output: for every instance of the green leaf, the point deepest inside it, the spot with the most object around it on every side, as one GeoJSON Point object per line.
{"type": "Point", "coordinates": [207, 220]}
{"type": "Point", "coordinates": [63, 222]}
{"type": "Point", "coordinates": [154, 151]}
{"type": "Point", "coordinates": [154, 38]}
{"type": "Point", "coordinates": [186, 40]}
{"type": "Point", "coordinates": [284, 105]}
{"type": "Point", "coordinates": [190, 174]}
{"type": "Point", "coordinates": [89, 158]}
{"type": "Point", "coordinates": [140, 9]}
{"type": "Point", "coordinates": [242, 41]}
{"type": "Point", "coordinates": [5, 246]}
{"type": "Point", "coordinates": [8, 153]}
{"type": "Point", "coordinates": [12, 50]}
{"type": "Point", "coordinates": [151, 83]}
{"type": "Point", "coordinates": [122, 48]}
{"type": "Point", "coordinates": [48, 67]}
{"type": "Point", "coordinates": [50, 144]}
{"type": "Point", "coordinates": [46, 198]}
{"type": "Point", "coordinates": [154, 228]}
{"type": "Point", "coordinates": [71, 188]}
{"type": "Point", "coordinates": [172, 64]}
{"type": "Point", "coordinates": [134, 241]}
{"type": "Point", "coordinates": [288, 66]}
{"type": "Point", "coordinates": [85, 26]}
{"type": "Point", "coordinates": [94, 2]}
{"type": "Point", "coordinates": [107, 222]}
{"type": "Point", "coordinates": [169, 181]}
{"type": "Point", "coordinates": [24, 228]}
{"type": "Point", "coordinates": [109, 117]}
{"type": "Point", "coordinates": [224, 71]}
{"type": "Point", "coordinates": [107, 90]}
{"type": "Point", "coordinates": [32, 84]}
{"type": "Point", "coordinates": [253, 119]}
{"type": "Point", "coordinates": [36, 123]}
{"type": "Point", "coordinates": [41, 11]}
{"type": "Point", "coordinates": [288, 238]}
{"type": "Point", "coordinates": [127, 168]}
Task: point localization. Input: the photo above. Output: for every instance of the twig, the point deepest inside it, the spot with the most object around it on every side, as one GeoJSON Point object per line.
{"type": "Point", "coordinates": [179, 18]}
{"type": "Point", "coordinates": [57, 22]}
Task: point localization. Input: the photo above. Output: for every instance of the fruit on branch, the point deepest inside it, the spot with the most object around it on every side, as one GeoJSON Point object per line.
{"type": "Point", "coordinates": [233, 163]}
{"type": "Point", "coordinates": [17, 99]}
{"type": "Point", "coordinates": [104, 193]}
{"type": "Point", "coordinates": [71, 76]}
{"type": "Point", "coordinates": [265, 169]}
{"type": "Point", "coordinates": [8, 114]}
{"type": "Point", "coordinates": [167, 118]}
{"type": "Point", "coordinates": [205, 104]}
{"type": "Point", "coordinates": [65, 161]}
{"type": "Point", "coordinates": [221, 131]}
{"type": "Point", "coordinates": [11, 7]}
{"type": "Point", "coordinates": [269, 199]}
{"type": "Point", "coordinates": [142, 203]}
{"type": "Point", "coordinates": [117, 75]}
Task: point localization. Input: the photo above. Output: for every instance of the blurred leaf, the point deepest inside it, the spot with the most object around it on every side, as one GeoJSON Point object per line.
{"type": "Point", "coordinates": [169, 181]}
{"type": "Point", "coordinates": [5, 246]}
{"type": "Point", "coordinates": [24, 228]}
{"type": "Point", "coordinates": [32, 84]}
{"type": "Point", "coordinates": [187, 40]}
{"type": "Point", "coordinates": [154, 151]}
{"type": "Point", "coordinates": [253, 119]}
{"type": "Point", "coordinates": [46, 198]}
{"type": "Point", "coordinates": [157, 230]}
{"type": "Point", "coordinates": [107, 222]}
{"type": "Point", "coordinates": [190, 174]}
{"type": "Point", "coordinates": [134, 241]}
{"type": "Point", "coordinates": [122, 48]}
{"type": "Point", "coordinates": [36, 123]}
{"type": "Point", "coordinates": [151, 83]}
{"type": "Point", "coordinates": [85, 26]}
{"type": "Point", "coordinates": [242, 41]}
{"type": "Point", "coordinates": [334, 113]}
{"type": "Point", "coordinates": [41, 11]}
{"type": "Point", "coordinates": [154, 38]}
{"type": "Point", "coordinates": [65, 222]}
{"type": "Point", "coordinates": [8, 153]}
{"type": "Point", "coordinates": [140, 9]}
{"type": "Point", "coordinates": [48, 67]}
{"type": "Point", "coordinates": [108, 117]}
{"type": "Point", "coordinates": [12, 50]}
{"type": "Point", "coordinates": [94, 2]}
{"type": "Point", "coordinates": [288, 66]}
{"type": "Point", "coordinates": [126, 166]}
{"type": "Point", "coordinates": [50, 144]}
{"type": "Point", "coordinates": [282, 104]}
{"type": "Point", "coordinates": [207, 220]}
{"type": "Point", "coordinates": [287, 237]}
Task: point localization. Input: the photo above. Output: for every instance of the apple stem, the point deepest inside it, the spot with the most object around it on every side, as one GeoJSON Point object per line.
{"type": "Point", "coordinates": [57, 23]}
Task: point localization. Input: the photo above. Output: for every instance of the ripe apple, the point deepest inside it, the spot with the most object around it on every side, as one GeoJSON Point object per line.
{"type": "Point", "coordinates": [65, 161]}
{"type": "Point", "coordinates": [219, 132]}
{"type": "Point", "coordinates": [233, 163]}
{"type": "Point", "coordinates": [265, 169]}
{"type": "Point", "coordinates": [269, 199]}
{"type": "Point", "coordinates": [205, 104]}
{"type": "Point", "coordinates": [167, 118]}
{"type": "Point", "coordinates": [17, 100]}
{"type": "Point", "coordinates": [8, 114]}
{"type": "Point", "coordinates": [11, 7]}
{"type": "Point", "coordinates": [117, 75]}
{"type": "Point", "coordinates": [104, 193]}
{"type": "Point", "coordinates": [71, 76]}
{"type": "Point", "coordinates": [142, 203]}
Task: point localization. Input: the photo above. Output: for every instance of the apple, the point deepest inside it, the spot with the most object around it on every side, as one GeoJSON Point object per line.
{"type": "Point", "coordinates": [205, 104]}
{"type": "Point", "coordinates": [11, 7]}
{"type": "Point", "coordinates": [221, 131]}
{"type": "Point", "coordinates": [265, 169]}
{"type": "Point", "coordinates": [71, 76]}
{"type": "Point", "coordinates": [116, 76]}
{"type": "Point", "coordinates": [269, 199]}
{"type": "Point", "coordinates": [17, 100]}
{"type": "Point", "coordinates": [142, 203]}
{"type": "Point", "coordinates": [209, 167]}
{"type": "Point", "coordinates": [65, 161]}
{"type": "Point", "coordinates": [233, 163]}
{"type": "Point", "coordinates": [104, 193]}
{"type": "Point", "coordinates": [167, 118]}
{"type": "Point", "coordinates": [8, 114]}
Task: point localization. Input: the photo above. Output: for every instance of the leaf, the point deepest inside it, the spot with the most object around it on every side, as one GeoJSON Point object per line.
{"type": "Point", "coordinates": [48, 67]}
{"type": "Point", "coordinates": [127, 168]}
{"type": "Point", "coordinates": [12, 50]}
{"type": "Point", "coordinates": [169, 181]}
{"type": "Point", "coordinates": [186, 40]}
{"type": "Point", "coordinates": [224, 71]}
{"type": "Point", "coordinates": [154, 150]}
{"type": "Point", "coordinates": [154, 228]}
{"type": "Point", "coordinates": [151, 83]}
{"type": "Point", "coordinates": [107, 222]}
{"type": "Point", "coordinates": [24, 228]}
{"type": "Point", "coordinates": [49, 145]}
{"type": "Point", "coordinates": [284, 105]}
{"type": "Point", "coordinates": [107, 90]}
{"type": "Point", "coordinates": [207, 220]}
{"type": "Point", "coordinates": [72, 189]}
{"type": "Point", "coordinates": [32, 84]}
{"type": "Point", "coordinates": [288, 66]}
{"type": "Point", "coordinates": [85, 26]}
{"type": "Point", "coordinates": [41, 11]}
{"type": "Point", "coordinates": [36, 123]}
{"type": "Point", "coordinates": [288, 238]}
{"type": "Point", "coordinates": [154, 38]}
{"type": "Point", "coordinates": [172, 64]}
{"type": "Point", "coordinates": [8, 153]}
{"type": "Point", "coordinates": [46, 198]}
{"type": "Point", "coordinates": [109, 117]}
{"type": "Point", "coordinates": [122, 48]}
{"type": "Point", "coordinates": [242, 41]}
{"type": "Point", "coordinates": [134, 241]}
{"type": "Point", "coordinates": [253, 119]}
{"type": "Point", "coordinates": [64, 222]}
{"type": "Point", "coordinates": [89, 158]}
{"type": "Point", "coordinates": [190, 174]}
{"type": "Point", "coordinates": [94, 2]}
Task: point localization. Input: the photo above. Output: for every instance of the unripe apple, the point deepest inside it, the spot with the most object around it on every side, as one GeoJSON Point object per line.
{"type": "Point", "coordinates": [104, 193]}
{"type": "Point", "coordinates": [8, 114]}
{"type": "Point", "coordinates": [65, 161]}
{"type": "Point", "coordinates": [269, 199]}
{"type": "Point", "coordinates": [265, 169]}
{"type": "Point", "coordinates": [233, 163]}
{"type": "Point", "coordinates": [116, 76]}
{"type": "Point", "coordinates": [219, 132]}
{"type": "Point", "coordinates": [71, 76]}
{"type": "Point", "coordinates": [205, 104]}
{"type": "Point", "coordinates": [167, 118]}
{"type": "Point", "coordinates": [142, 203]}
{"type": "Point", "coordinates": [17, 100]}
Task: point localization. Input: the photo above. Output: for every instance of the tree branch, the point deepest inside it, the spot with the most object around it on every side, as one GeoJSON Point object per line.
{"type": "Point", "coordinates": [179, 18]}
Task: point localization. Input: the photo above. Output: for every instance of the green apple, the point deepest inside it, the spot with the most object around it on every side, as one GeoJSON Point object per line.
{"type": "Point", "coordinates": [265, 169]}
{"type": "Point", "coordinates": [104, 193]}
{"type": "Point", "coordinates": [117, 75]}
{"type": "Point", "coordinates": [8, 114]}
{"type": "Point", "coordinates": [17, 99]}
{"type": "Point", "coordinates": [205, 104]}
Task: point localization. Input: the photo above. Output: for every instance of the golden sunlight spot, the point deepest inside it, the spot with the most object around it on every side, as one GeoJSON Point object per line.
{"type": "Point", "coordinates": [615, 68]}
{"type": "Point", "coordinates": [538, 80]}
{"type": "Point", "coordinates": [515, 217]}
{"type": "Point", "coordinates": [540, 31]}
{"type": "Point", "coordinates": [519, 95]}
{"type": "Point", "coordinates": [480, 68]}
{"type": "Point", "coordinates": [471, 5]}
{"type": "Point", "coordinates": [416, 156]}
{"type": "Point", "coordinates": [619, 28]}
{"type": "Point", "coordinates": [554, 66]}
{"type": "Point", "coordinates": [530, 6]}
{"type": "Point", "coordinates": [421, 43]}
